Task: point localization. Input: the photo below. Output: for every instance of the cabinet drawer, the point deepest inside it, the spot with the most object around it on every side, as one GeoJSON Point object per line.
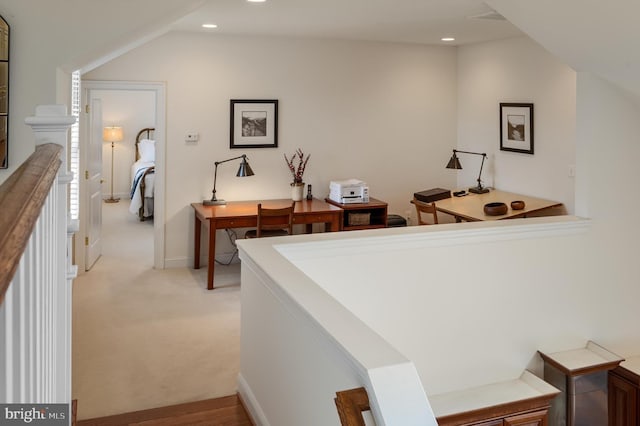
{"type": "Point", "coordinates": [237, 222]}
{"type": "Point", "coordinates": [497, 422]}
{"type": "Point", "coordinates": [314, 218]}
{"type": "Point", "coordinates": [536, 418]}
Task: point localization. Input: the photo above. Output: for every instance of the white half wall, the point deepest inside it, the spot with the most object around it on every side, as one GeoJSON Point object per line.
{"type": "Point", "coordinates": [299, 347]}
{"type": "Point", "coordinates": [467, 304]}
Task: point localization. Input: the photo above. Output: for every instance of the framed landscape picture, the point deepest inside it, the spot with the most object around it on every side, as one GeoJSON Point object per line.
{"type": "Point", "coordinates": [254, 123]}
{"type": "Point", "coordinates": [516, 127]}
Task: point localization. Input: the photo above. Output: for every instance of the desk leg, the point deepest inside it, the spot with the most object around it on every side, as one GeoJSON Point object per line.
{"type": "Point", "coordinates": [334, 225]}
{"type": "Point", "coordinates": [196, 239]}
{"type": "Point", "coordinates": [212, 254]}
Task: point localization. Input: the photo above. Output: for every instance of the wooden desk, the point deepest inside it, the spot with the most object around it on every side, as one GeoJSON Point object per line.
{"type": "Point", "coordinates": [244, 214]}
{"type": "Point", "coordinates": [471, 206]}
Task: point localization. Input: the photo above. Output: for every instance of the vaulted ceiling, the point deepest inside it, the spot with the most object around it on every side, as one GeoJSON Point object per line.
{"type": "Point", "coordinates": [404, 21]}
{"type": "Point", "coordinates": [589, 35]}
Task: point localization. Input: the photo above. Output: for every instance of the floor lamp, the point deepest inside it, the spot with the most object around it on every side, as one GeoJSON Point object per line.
{"type": "Point", "coordinates": [112, 134]}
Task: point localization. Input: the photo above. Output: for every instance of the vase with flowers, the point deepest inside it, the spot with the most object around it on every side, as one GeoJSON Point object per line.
{"type": "Point", "coordinates": [297, 171]}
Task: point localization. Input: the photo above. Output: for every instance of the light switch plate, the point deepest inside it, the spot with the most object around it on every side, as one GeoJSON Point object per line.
{"type": "Point", "coordinates": [191, 137]}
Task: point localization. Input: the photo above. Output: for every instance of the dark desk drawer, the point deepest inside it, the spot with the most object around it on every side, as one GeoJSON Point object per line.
{"type": "Point", "coordinates": [315, 218]}
{"type": "Point", "coordinates": [236, 222]}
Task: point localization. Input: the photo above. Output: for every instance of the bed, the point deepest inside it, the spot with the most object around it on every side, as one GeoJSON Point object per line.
{"type": "Point", "coordinates": [143, 174]}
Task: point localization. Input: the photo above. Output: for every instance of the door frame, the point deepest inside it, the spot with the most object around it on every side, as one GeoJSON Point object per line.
{"type": "Point", "coordinates": [159, 88]}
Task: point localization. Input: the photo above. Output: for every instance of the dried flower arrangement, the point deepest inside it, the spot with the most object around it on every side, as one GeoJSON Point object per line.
{"type": "Point", "coordinates": [298, 171]}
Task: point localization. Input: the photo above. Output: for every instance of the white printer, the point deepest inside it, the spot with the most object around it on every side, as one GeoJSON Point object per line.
{"type": "Point", "coordinates": [349, 191]}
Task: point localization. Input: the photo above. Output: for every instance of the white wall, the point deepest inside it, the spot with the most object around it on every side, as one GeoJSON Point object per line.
{"type": "Point", "coordinates": [51, 38]}
{"type": "Point", "coordinates": [471, 304]}
{"type": "Point", "coordinates": [608, 146]}
{"type": "Point", "coordinates": [132, 110]}
{"type": "Point", "coordinates": [384, 113]}
{"type": "Point", "coordinates": [517, 70]}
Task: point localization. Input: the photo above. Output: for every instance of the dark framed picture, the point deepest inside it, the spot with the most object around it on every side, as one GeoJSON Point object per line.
{"type": "Point", "coordinates": [4, 94]}
{"type": "Point", "coordinates": [254, 123]}
{"type": "Point", "coordinates": [516, 127]}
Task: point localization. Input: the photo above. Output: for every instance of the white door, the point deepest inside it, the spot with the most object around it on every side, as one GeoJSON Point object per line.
{"type": "Point", "coordinates": [93, 243]}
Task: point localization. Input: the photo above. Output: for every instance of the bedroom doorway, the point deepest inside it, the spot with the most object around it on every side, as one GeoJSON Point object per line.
{"type": "Point", "coordinates": [128, 105]}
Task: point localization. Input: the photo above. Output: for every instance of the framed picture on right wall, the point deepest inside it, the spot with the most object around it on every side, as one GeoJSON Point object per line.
{"type": "Point", "coordinates": [516, 127]}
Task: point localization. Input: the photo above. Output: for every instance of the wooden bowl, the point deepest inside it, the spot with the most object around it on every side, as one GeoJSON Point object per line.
{"type": "Point", "coordinates": [517, 205]}
{"type": "Point", "coordinates": [495, 209]}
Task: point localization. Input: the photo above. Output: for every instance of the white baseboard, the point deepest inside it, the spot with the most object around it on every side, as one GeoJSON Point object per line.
{"type": "Point", "coordinates": [184, 262]}
{"type": "Point", "coordinates": [250, 402]}
{"type": "Point", "coordinates": [179, 262]}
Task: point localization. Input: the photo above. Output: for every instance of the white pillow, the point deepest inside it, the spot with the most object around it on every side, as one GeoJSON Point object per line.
{"type": "Point", "coordinates": [147, 150]}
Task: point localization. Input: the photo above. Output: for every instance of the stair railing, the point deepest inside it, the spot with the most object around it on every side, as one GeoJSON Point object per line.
{"type": "Point", "coordinates": [35, 269]}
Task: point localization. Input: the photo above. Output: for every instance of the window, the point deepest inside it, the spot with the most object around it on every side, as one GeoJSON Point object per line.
{"type": "Point", "coordinates": [74, 151]}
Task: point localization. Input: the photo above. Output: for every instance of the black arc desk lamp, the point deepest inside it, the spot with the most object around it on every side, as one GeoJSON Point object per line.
{"type": "Point", "coordinates": [454, 163]}
{"type": "Point", "coordinates": [243, 171]}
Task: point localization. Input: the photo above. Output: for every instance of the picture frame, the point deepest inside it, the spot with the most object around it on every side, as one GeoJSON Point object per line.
{"type": "Point", "coordinates": [516, 127]}
{"type": "Point", "coordinates": [254, 123]}
{"type": "Point", "coordinates": [4, 93]}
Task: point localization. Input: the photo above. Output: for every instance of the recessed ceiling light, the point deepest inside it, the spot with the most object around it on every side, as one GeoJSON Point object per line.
{"type": "Point", "coordinates": [256, 1]}
{"type": "Point", "coordinates": [448, 39]}
{"type": "Point", "coordinates": [209, 26]}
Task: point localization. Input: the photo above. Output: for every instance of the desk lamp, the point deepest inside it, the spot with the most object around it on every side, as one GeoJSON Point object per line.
{"type": "Point", "coordinates": [112, 134]}
{"type": "Point", "coordinates": [243, 170]}
{"type": "Point", "coordinates": [454, 163]}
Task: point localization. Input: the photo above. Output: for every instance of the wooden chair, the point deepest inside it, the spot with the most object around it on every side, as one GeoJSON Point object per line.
{"type": "Point", "coordinates": [273, 222]}
{"type": "Point", "coordinates": [426, 208]}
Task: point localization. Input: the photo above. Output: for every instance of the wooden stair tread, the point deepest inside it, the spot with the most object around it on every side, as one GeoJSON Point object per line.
{"type": "Point", "coordinates": [225, 411]}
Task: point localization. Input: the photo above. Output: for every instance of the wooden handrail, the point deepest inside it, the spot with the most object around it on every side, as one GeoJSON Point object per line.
{"type": "Point", "coordinates": [22, 196]}
{"type": "Point", "coordinates": [350, 404]}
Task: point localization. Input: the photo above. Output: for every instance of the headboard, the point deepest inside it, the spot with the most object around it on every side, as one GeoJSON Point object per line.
{"type": "Point", "coordinates": [146, 133]}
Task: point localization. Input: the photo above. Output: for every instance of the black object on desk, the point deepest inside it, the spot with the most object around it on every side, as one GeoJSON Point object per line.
{"type": "Point", "coordinates": [431, 195]}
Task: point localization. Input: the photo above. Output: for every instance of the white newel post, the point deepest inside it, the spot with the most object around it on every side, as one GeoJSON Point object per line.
{"type": "Point", "coordinates": [51, 124]}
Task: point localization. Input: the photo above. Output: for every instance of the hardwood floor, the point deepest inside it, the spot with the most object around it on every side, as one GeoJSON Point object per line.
{"type": "Point", "coordinates": [225, 411]}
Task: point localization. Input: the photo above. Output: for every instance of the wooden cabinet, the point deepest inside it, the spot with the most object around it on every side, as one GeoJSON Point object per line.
{"type": "Point", "coordinates": [521, 402]}
{"type": "Point", "coordinates": [369, 215]}
{"type": "Point", "coordinates": [529, 418]}
{"type": "Point", "coordinates": [624, 397]}
{"type": "Point", "coordinates": [497, 422]}
{"type": "Point", "coordinates": [581, 375]}
{"type": "Point", "coordinates": [536, 418]}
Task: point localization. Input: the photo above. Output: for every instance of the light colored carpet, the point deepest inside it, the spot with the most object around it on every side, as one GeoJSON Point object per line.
{"type": "Point", "coordinates": [145, 338]}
